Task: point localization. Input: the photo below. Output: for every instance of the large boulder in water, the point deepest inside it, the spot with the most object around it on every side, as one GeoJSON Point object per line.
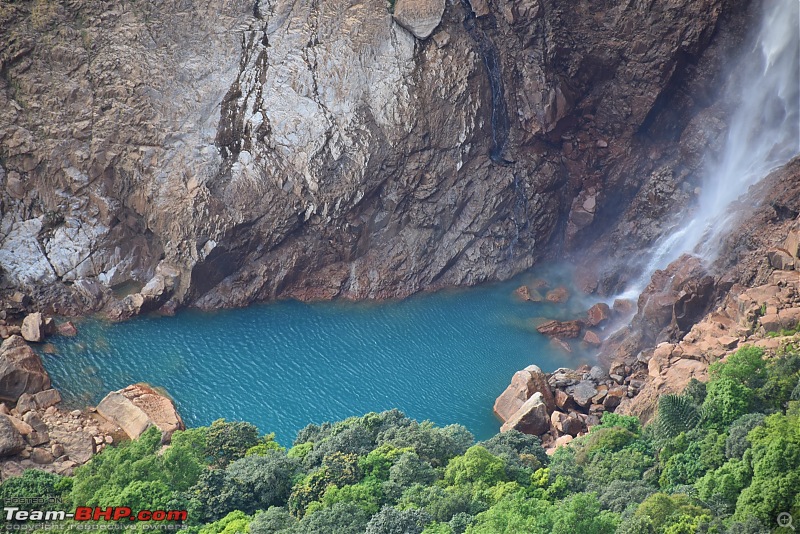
{"type": "Point", "coordinates": [21, 370]}
{"type": "Point", "coordinates": [420, 17]}
{"type": "Point", "coordinates": [531, 418]}
{"type": "Point", "coordinates": [561, 329]}
{"type": "Point", "coordinates": [138, 407]}
{"type": "Point", "coordinates": [524, 384]}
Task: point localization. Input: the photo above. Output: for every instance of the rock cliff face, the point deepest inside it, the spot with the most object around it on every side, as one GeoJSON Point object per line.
{"type": "Point", "coordinates": [318, 149]}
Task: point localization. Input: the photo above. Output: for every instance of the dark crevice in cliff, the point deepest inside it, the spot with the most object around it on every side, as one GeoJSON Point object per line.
{"type": "Point", "coordinates": [494, 72]}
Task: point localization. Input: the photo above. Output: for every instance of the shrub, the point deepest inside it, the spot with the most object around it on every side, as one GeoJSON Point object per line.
{"type": "Point", "coordinates": [676, 414]}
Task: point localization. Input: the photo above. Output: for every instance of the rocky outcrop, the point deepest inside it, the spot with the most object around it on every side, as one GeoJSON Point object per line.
{"type": "Point", "coordinates": [420, 17]}
{"type": "Point", "coordinates": [322, 151]}
{"type": "Point", "coordinates": [11, 441]}
{"type": "Point", "coordinates": [561, 329]}
{"type": "Point", "coordinates": [531, 418]}
{"type": "Point", "coordinates": [136, 408]}
{"type": "Point", "coordinates": [21, 370]}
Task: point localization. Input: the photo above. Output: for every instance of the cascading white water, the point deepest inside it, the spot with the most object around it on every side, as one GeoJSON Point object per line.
{"type": "Point", "coordinates": [764, 133]}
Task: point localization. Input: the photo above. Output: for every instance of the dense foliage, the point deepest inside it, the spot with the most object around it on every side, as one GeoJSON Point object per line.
{"type": "Point", "coordinates": [722, 457]}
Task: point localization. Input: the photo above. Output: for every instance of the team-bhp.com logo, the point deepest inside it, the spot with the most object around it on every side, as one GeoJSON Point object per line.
{"type": "Point", "coordinates": [87, 513]}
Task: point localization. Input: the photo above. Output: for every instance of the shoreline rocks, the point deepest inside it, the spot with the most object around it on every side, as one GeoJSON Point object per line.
{"type": "Point", "coordinates": [136, 408]}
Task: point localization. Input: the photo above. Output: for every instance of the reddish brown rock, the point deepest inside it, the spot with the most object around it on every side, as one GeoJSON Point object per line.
{"type": "Point", "coordinates": [557, 295]}
{"type": "Point", "coordinates": [598, 314]}
{"type": "Point", "coordinates": [561, 329]}
{"type": "Point", "coordinates": [523, 293]}
{"type": "Point", "coordinates": [560, 344]}
{"type": "Point", "coordinates": [780, 259]}
{"type": "Point", "coordinates": [564, 400]}
{"type": "Point", "coordinates": [624, 307]}
{"type": "Point", "coordinates": [567, 424]}
{"type": "Point", "coordinates": [614, 396]}
{"type": "Point", "coordinates": [591, 338]}
{"type": "Point", "coordinates": [67, 329]}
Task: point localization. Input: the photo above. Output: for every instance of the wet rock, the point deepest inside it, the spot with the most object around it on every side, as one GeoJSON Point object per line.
{"type": "Point", "coordinates": [591, 338]}
{"type": "Point", "coordinates": [598, 314]}
{"type": "Point", "coordinates": [11, 441]}
{"type": "Point", "coordinates": [67, 329]}
{"type": "Point", "coordinates": [560, 344]}
{"type": "Point", "coordinates": [420, 17]}
{"type": "Point", "coordinates": [138, 407]}
{"type": "Point", "coordinates": [557, 295]}
{"type": "Point", "coordinates": [21, 370]}
{"type": "Point", "coordinates": [561, 329]}
{"type": "Point", "coordinates": [531, 418]}
{"type": "Point", "coordinates": [624, 307]}
{"type": "Point", "coordinates": [33, 327]}
{"type": "Point", "coordinates": [523, 293]}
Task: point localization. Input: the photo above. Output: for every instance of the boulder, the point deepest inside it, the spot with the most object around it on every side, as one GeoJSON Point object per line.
{"type": "Point", "coordinates": [583, 393]}
{"type": "Point", "coordinates": [420, 17]}
{"type": "Point", "coordinates": [479, 7]}
{"type": "Point", "coordinates": [561, 329]}
{"type": "Point", "coordinates": [48, 397]}
{"type": "Point", "coordinates": [25, 403]}
{"type": "Point", "coordinates": [523, 292]}
{"type": "Point", "coordinates": [780, 259]}
{"type": "Point", "coordinates": [557, 295]}
{"type": "Point", "coordinates": [614, 396]}
{"type": "Point", "coordinates": [564, 400]}
{"type": "Point", "coordinates": [11, 441]}
{"type": "Point", "coordinates": [531, 418]}
{"type": "Point", "coordinates": [21, 370]}
{"type": "Point", "coordinates": [523, 385]}
{"type": "Point", "coordinates": [33, 327]}
{"type": "Point", "coordinates": [591, 338]}
{"type": "Point", "coordinates": [792, 244]}
{"type": "Point", "coordinates": [598, 314]}
{"type": "Point", "coordinates": [42, 456]}
{"type": "Point", "coordinates": [67, 329]}
{"type": "Point", "coordinates": [567, 424]}
{"type": "Point", "coordinates": [138, 407]}
{"type": "Point", "coordinates": [78, 445]}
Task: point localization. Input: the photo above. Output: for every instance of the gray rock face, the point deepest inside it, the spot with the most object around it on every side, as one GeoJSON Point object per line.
{"type": "Point", "coordinates": [319, 150]}
{"type": "Point", "coordinates": [21, 370]}
{"type": "Point", "coordinates": [420, 17]}
{"type": "Point", "coordinates": [11, 441]}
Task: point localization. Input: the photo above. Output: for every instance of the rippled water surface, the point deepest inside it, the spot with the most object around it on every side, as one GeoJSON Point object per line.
{"type": "Point", "coordinates": [443, 357]}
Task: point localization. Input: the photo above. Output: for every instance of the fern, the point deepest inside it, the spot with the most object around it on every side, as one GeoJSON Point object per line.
{"type": "Point", "coordinates": [676, 414]}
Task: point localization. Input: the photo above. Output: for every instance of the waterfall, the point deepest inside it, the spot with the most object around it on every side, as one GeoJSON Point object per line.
{"type": "Point", "coordinates": [763, 134]}
{"type": "Point", "coordinates": [491, 61]}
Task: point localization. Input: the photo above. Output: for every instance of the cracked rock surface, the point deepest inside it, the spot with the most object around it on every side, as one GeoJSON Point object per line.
{"type": "Point", "coordinates": [319, 149]}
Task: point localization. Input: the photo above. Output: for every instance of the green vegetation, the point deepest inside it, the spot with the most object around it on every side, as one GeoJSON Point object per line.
{"type": "Point", "coordinates": [719, 458]}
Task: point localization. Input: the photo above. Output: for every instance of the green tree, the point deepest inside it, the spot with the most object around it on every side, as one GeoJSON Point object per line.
{"type": "Point", "coordinates": [726, 401]}
{"type": "Point", "coordinates": [390, 520]}
{"type": "Point", "coordinates": [581, 513]}
{"type": "Point", "coordinates": [275, 519]}
{"type": "Point", "coordinates": [476, 466]}
{"type": "Point", "coordinates": [229, 441]}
